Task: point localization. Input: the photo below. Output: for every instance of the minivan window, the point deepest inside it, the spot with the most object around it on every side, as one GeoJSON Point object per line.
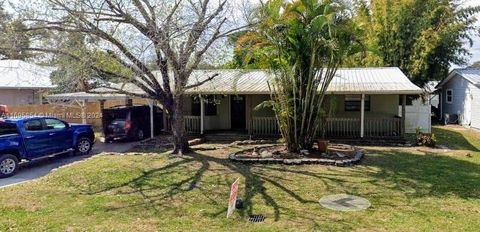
{"type": "Point", "coordinates": [34, 125]}
{"type": "Point", "coordinates": [120, 122]}
{"type": "Point", "coordinates": [8, 129]}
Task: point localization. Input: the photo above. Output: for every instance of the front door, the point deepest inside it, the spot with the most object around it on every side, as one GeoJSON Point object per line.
{"type": "Point", "coordinates": [238, 121]}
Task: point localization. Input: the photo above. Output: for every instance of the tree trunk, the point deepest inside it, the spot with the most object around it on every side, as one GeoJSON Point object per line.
{"type": "Point", "coordinates": [180, 140]}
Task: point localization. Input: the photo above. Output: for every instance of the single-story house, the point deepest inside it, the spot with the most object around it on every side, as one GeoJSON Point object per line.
{"type": "Point", "coordinates": [23, 83]}
{"type": "Point", "coordinates": [460, 97]}
{"type": "Point", "coordinates": [366, 103]}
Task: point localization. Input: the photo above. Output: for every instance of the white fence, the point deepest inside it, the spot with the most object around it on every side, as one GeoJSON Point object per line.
{"type": "Point", "coordinates": [417, 115]}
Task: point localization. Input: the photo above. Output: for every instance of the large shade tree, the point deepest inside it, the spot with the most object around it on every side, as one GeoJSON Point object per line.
{"type": "Point", "coordinates": [174, 35]}
{"type": "Point", "coordinates": [305, 41]}
{"type": "Point", "coordinates": [422, 37]}
{"type": "Point", "coordinates": [11, 37]}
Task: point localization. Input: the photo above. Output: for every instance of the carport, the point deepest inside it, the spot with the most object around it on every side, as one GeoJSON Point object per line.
{"type": "Point", "coordinates": [78, 100]}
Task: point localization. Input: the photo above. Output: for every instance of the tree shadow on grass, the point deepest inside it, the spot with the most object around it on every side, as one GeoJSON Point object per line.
{"type": "Point", "coordinates": [428, 175]}
{"type": "Point", "coordinates": [421, 175]}
{"type": "Point", "coordinates": [453, 139]}
{"type": "Point", "coordinates": [197, 172]}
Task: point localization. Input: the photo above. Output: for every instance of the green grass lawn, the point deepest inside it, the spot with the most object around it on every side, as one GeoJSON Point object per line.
{"type": "Point", "coordinates": [409, 191]}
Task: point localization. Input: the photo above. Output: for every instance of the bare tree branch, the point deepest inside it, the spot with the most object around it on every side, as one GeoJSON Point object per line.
{"type": "Point", "coordinates": [201, 82]}
{"type": "Point", "coordinates": [176, 33]}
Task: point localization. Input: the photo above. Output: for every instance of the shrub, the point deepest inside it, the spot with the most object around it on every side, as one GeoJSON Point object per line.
{"type": "Point", "coordinates": [425, 139]}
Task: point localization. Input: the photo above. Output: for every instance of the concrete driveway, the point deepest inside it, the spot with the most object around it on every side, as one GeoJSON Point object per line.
{"type": "Point", "coordinates": [39, 168]}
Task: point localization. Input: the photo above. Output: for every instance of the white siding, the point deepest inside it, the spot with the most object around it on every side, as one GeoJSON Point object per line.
{"type": "Point", "coordinates": [460, 87]}
{"type": "Point", "coordinates": [418, 115]}
{"type": "Point", "coordinates": [475, 91]}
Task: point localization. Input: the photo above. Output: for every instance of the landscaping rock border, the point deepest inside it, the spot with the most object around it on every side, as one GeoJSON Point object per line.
{"type": "Point", "coordinates": [252, 142]}
{"type": "Point", "coordinates": [299, 161]}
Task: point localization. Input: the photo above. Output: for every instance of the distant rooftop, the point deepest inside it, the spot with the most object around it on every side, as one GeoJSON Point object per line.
{"type": "Point", "coordinates": [17, 74]}
{"type": "Point", "coordinates": [470, 74]}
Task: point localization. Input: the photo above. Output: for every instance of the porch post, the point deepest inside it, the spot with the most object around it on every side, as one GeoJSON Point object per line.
{"type": "Point", "coordinates": [165, 119]}
{"type": "Point", "coordinates": [102, 104]}
{"type": "Point", "coordinates": [362, 117]}
{"type": "Point", "coordinates": [83, 109]}
{"type": "Point", "coordinates": [202, 115]}
{"type": "Point", "coordinates": [151, 103]}
{"type": "Point", "coordinates": [128, 102]}
{"type": "Point", "coordinates": [404, 113]}
{"type": "Point", "coordinates": [440, 105]}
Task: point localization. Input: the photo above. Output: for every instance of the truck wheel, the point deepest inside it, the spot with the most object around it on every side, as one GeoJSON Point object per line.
{"type": "Point", "coordinates": [140, 135]}
{"type": "Point", "coordinates": [84, 146]}
{"type": "Point", "coordinates": [8, 165]}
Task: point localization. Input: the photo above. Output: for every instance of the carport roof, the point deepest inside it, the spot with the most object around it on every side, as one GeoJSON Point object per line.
{"type": "Point", "coordinates": [86, 96]}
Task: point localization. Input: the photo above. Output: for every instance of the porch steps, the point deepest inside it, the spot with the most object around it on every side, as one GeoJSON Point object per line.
{"type": "Point", "coordinates": [226, 137]}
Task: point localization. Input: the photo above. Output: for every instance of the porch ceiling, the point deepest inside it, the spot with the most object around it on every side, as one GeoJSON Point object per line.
{"type": "Point", "coordinates": [86, 96]}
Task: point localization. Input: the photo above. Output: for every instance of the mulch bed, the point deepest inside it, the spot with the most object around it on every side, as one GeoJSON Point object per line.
{"type": "Point", "coordinates": [338, 155]}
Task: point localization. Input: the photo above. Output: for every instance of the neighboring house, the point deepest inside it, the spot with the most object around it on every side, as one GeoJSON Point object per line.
{"type": "Point", "coordinates": [366, 103]}
{"type": "Point", "coordinates": [23, 83]}
{"type": "Point", "coordinates": [460, 97]}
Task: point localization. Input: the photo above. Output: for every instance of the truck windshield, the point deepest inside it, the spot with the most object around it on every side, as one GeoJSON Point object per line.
{"type": "Point", "coordinates": [7, 128]}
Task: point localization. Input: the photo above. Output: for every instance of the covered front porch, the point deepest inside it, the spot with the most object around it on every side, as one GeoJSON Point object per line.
{"type": "Point", "coordinates": [368, 116]}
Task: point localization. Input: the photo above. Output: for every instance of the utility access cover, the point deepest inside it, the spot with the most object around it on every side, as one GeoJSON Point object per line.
{"type": "Point", "coordinates": [344, 202]}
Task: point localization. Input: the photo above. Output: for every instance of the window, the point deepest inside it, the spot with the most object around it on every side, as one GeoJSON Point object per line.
{"type": "Point", "coordinates": [449, 96]}
{"type": "Point", "coordinates": [8, 128]}
{"type": "Point", "coordinates": [410, 99]}
{"type": "Point", "coordinates": [354, 103]}
{"type": "Point", "coordinates": [210, 106]}
{"type": "Point", "coordinates": [54, 124]}
{"type": "Point", "coordinates": [34, 125]}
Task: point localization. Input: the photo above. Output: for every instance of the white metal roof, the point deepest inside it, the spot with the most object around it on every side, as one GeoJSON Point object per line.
{"type": "Point", "coordinates": [346, 81]}
{"type": "Point", "coordinates": [17, 74]}
{"type": "Point", "coordinates": [372, 81]}
{"type": "Point", "coordinates": [470, 74]}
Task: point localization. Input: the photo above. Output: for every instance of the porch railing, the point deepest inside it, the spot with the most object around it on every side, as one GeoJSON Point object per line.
{"type": "Point", "coordinates": [383, 127]}
{"type": "Point", "coordinates": [264, 126]}
{"type": "Point", "coordinates": [192, 124]}
{"type": "Point", "coordinates": [337, 127]}
{"type": "Point", "coordinates": [374, 127]}
{"type": "Point", "coordinates": [341, 127]}
{"type": "Point", "coordinates": [334, 127]}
